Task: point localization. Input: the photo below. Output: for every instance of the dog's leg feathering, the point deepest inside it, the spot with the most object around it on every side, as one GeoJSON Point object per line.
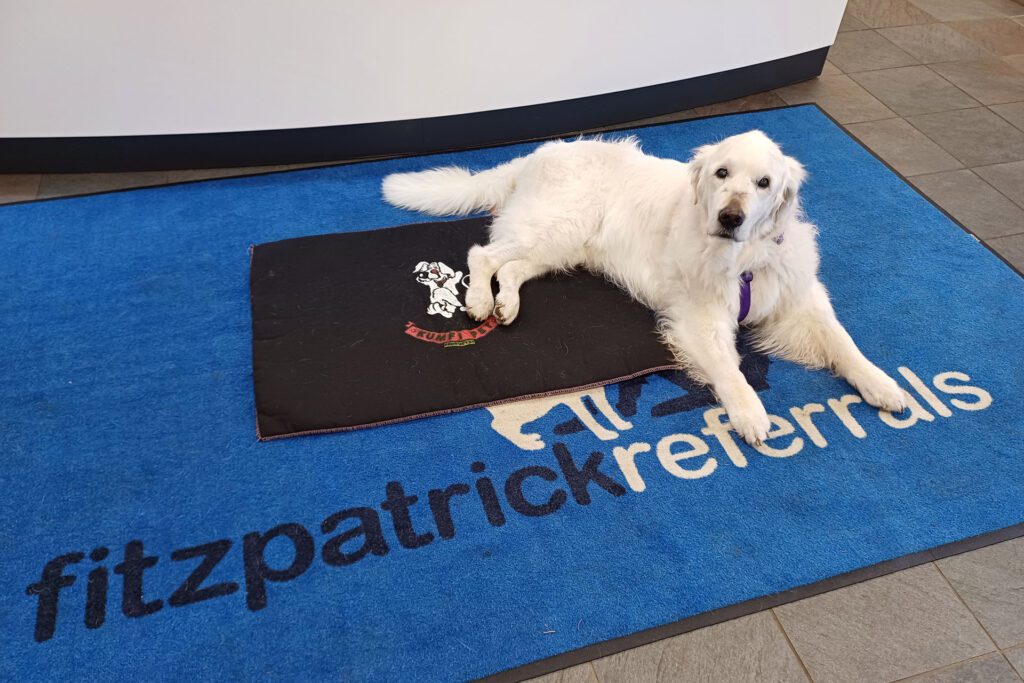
{"type": "Point", "coordinates": [704, 340]}
{"type": "Point", "coordinates": [807, 332]}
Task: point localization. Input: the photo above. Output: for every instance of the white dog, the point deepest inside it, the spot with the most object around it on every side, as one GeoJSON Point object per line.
{"type": "Point", "coordinates": [676, 236]}
{"type": "Point", "coordinates": [442, 281]}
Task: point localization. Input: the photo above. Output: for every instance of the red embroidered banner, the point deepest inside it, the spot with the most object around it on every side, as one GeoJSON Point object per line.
{"type": "Point", "coordinates": [453, 336]}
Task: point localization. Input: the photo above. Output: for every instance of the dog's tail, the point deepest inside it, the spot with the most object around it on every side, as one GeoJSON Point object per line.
{"type": "Point", "coordinates": [453, 191]}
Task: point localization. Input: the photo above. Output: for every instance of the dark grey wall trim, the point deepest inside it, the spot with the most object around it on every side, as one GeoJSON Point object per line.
{"type": "Point", "coordinates": [417, 136]}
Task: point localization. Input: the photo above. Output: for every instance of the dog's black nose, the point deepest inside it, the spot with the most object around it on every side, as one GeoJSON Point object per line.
{"type": "Point", "coordinates": [730, 220]}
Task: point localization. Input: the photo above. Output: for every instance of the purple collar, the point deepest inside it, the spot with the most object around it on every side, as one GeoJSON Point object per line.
{"type": "Point", "coordinates": [745, 278]}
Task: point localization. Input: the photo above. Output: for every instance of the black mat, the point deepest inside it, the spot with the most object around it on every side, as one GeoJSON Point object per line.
{"type": "Point", "coordinates": [343, 338]}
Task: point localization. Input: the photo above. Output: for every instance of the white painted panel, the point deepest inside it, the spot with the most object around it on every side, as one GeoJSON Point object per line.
{"type": "Point", "coordinates": [126, 67]}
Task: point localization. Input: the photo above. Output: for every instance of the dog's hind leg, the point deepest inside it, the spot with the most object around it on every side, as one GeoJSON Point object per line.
{"type": "Point", "coordinates": [511, 277]}
{"type": "Point", "coordinates": [484, 262]}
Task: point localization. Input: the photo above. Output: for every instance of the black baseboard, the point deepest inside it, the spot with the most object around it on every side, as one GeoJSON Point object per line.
{"type": "Point", "coordinates": [416, 136]}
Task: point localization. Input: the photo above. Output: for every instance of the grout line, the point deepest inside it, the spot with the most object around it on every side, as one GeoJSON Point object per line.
{"type": "Point", "coordinates": [990, 239]}
{"type": "Point", "coordinates": [917, 61]}
{"type": "Point", "coordinates": [792, 647]}
{"type": "Point", "coordinates": [593, 670]}
{"type": "Point", "coordinates": [947, 667]}
{"type": "Point", "coordinates": [875, 31]}
{"type": "Point", "coordinates": [985, 180]}
{"type": "Point", "coordinates": [950, 153]}
{"type": "Point", "coordinates": [979, 177]}
{"type": "Point", "coordinates": [964, 603]}
{"type": "Point", "coordinates": [954, 85]}
{"type": "Point", "coordinates": [1012, 124]}
{"type": "Point", "coordinates": [1010, 664]}
{"type": "Point", "coordinates": [935, 73]}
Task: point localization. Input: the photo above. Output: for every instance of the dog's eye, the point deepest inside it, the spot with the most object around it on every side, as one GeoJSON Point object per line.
{"type": "Point", "coordinates": [764, 182]}
{"type": "Point", "coordinates": [722, 173]}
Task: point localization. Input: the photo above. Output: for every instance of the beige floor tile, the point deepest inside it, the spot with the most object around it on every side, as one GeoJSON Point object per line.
{"type": "Point", "coordinates": [211, 173]}
{"type": "Point", "coordinates": [991, 81]}
{"type": "Point", "coordinates": [840, 96]}
{"type": "Point", "coordinates": [750, 649]}
{"type": "Point", "coordinates": [1015, 61]}
{"type": "Point", "coordinates": [953, 10]}
{"type": "Point", "coordinates": [991, 668]}
{"type": "Point", "coordinates": [18, 188]}
{"type": "Point", "coordinates": [977, 137]}
{"type": "Point", "coordinates": [584, 673]}
{"type": "Point", "coordinates": [63, 184]}
{"type": "Point", "coordinates": [973, 202]}
{"type": "Point", "coordinates": [1007, 178]}
{"type": "Point", "coordinates": [1011, 249]}
{"type": "Point", "coordinates": [876, 13]}
{"type": "Point", "coordinates": [895, 626]}
{"type": "Point", "coordinates": [1016, 657]}
{"type": "Point", "coordinates": [991, 581]}
{"type": "Point", "coordinates": [764, 100]}
{"type": "Point", "coordinates": [830, 69]}
{"type": "Point", "coordinates": [912, 90]}
{"type": "Point", "coordinates": [866, 51]}
{"type": "Point", "coordinates": [906, 149]}
{"type": "Point", "coordinates": [1014, 113]}
{"type": "Point", "coordinates": [1000, 36]}
{"type": "Point", "coordinates": [931, 43]}
{"type": "Point", "coordinates": [851, 23]}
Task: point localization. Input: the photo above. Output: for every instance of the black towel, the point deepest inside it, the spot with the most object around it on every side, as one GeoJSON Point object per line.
{"type": "Point", "coordinates": [364, 328]}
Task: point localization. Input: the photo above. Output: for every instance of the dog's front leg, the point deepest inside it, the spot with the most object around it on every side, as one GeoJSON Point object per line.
{"type": "Point", "coordinates": [806, 331]}
{"type": "Point", "coordinates": [704, 341]}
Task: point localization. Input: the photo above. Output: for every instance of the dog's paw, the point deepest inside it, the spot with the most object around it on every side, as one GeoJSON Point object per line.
{"type": "Point", "coordinates": [506, 307]}
{"type": "Point", "coordinates": [882, 391]}
{"type": "Point", "coordinates": [479, 304]}
{"type": "Point", "coordinates": [751, 423]}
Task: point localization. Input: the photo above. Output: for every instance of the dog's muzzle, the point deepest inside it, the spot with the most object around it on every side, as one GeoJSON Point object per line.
{"type": "Point", "coordinates": [730, 219]}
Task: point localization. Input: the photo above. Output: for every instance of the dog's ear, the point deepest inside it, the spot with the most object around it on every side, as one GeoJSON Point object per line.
{"type": "Point", "coordinates": [697, 163]}
{"type": "Point", "coordinates": [421, 266]}
{"type": "Point", "coordinates": [788, 202]}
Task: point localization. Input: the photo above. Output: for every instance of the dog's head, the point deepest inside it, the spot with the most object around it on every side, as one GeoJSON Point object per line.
{"type": "Point", "coordinates": [745, 185]}
{"type": "Point", "coordinates": [432, 271]}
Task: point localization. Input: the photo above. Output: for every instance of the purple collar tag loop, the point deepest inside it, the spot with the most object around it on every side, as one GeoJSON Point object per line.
{"type": "Point", "coordinates": [745, 279]}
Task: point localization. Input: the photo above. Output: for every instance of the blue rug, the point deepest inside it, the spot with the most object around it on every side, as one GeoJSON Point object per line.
{"type": "Point", "coordinates": [147, 534]}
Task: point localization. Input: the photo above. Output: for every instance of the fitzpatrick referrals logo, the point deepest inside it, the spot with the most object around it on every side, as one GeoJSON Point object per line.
{"type": "Point", "coordinates": [695, 456]}
{"type": "Point", "coordinates": [444, 301]}
{"type": "Point", "coordinates": [407, 517]}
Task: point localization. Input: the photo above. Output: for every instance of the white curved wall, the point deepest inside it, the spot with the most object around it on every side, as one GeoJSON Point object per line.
{"type": "Point", "coordinates": [129, 67]}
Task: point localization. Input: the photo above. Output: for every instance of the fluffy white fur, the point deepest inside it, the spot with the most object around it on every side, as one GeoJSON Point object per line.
{"type": "Point", "coordinates": [674, 235]}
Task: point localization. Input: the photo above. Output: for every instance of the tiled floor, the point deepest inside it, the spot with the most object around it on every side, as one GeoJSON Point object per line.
{"type": "Point", "coordinates": [936, 88]}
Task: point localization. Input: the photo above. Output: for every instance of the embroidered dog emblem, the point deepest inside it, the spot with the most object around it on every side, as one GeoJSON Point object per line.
{"type": "Point", "coordinates": [443, 283]}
